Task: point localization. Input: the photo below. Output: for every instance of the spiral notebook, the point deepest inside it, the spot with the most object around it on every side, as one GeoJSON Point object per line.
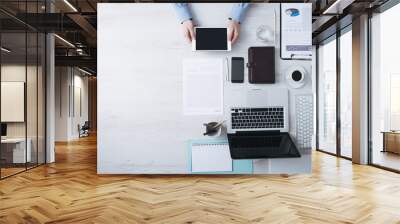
{"type": "Point", "coordinates": [211, 157]}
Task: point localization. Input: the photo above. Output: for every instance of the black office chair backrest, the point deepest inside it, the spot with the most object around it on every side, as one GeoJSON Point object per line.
{"type": "Point", "coordinates": [86, 125]}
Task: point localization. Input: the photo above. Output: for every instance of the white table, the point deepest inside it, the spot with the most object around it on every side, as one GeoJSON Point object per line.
{"type": "Point", "coordinates": [140, 50]}
{"type": "Point", "coordinates": [19, 153]}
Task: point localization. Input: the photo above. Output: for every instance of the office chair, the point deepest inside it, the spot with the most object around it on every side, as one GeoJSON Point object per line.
{"type": "Point", "coordinates": [84, 130]}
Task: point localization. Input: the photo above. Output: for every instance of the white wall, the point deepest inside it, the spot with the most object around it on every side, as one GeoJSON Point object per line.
{"type": "Point", "coordinates": [17, 73]}
{"type": "Point", "coordinates": [79, 117]}
{"type": "Point", "coordinates": [69, 81]}
{"type": "Point", "coordinates": [12, 73]}
{"type": "Point", "coordinates": [61, 103]}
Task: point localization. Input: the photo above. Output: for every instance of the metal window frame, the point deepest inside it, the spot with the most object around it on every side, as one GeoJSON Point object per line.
{"type": "Point", "coordinates": [334, 37]}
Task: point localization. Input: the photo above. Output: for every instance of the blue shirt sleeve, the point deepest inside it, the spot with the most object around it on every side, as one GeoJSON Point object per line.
{"type": "Point", "coordinates": [182, 11]}
{"type": "Point", "coordinates": [238, 11]}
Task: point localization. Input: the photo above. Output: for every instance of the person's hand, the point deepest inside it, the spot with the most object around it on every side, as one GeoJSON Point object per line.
{"type": "Point", "coordinates": [233, 30]}
{"type": "Point", "coordinates": [188, 30]}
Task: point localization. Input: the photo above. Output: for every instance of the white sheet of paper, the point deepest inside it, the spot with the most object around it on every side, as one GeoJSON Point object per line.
{"type": "Point", "coordinates": [211, 158]}
{"type": "Point", "coordinates": [203, 86]}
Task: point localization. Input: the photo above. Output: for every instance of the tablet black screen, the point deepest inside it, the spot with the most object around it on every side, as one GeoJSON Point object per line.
{"type": "Point", "coordinates": [211, 39]}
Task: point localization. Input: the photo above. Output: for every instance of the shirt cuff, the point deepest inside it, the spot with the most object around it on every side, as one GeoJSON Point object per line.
{"type": "Point", "coordinates": [238, 11]}
{"type": "Point", "coordinates": [183, 12]}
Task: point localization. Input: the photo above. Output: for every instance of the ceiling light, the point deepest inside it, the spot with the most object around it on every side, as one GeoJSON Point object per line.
{"type": "Point", "coordinates": [338, 6]}
{"type": "Point", "coordinates": [5, 50]}
{"type": "Point", "coordinates": [65, 41]}
{"type": "Point", "coordinates": [84, 71]}
{"type": "Point", "coordinates": [70, 5]}
{"type": "Point", "coordinates": [79, 51]}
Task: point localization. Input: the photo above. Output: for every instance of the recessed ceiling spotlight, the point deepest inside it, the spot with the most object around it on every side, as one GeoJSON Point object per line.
{"type": "Point", "coordinates": [84, 71]}
{"type": "Point", "coordinates": [64, 40]}
{"type": "Point", "coordinates": [337, 7]}
{"type": "Point", "coordinates": [70, 5]}
{"type": "Point", "coordinates": [5, 50]}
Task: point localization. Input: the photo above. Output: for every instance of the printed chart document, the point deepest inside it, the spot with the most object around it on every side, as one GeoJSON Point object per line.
{"type": "Point", "coordinates": [296, 30]}
{"type": "Point", "coordinates": [211, 157]}
{"type": "Point", "coordinates": [203, 86]}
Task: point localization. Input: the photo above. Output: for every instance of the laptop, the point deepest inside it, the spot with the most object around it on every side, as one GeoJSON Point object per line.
{"type": "Point", "coordinates": [258, 125]}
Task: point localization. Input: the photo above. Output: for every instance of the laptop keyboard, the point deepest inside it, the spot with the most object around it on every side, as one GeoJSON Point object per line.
{"type": "Point", "coordinates": [257, 118]}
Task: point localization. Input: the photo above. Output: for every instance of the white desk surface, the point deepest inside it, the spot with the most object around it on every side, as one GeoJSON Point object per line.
{"type": "Point", "coordinates": [140, 52]}
{"type": "Point", "coordinates": [20, 153]}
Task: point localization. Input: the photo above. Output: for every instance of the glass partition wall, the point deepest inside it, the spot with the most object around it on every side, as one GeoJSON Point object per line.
{"type": "Point", "coordinates": [22, 89]}
{"type": "Point", "coordinates": [13, 89]}
{"type": "Point", "coordinates": [334, 95]}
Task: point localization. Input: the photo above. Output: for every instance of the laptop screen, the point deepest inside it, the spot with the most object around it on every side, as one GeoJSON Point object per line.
{"type": "Point", "coordinates": [263, 144]}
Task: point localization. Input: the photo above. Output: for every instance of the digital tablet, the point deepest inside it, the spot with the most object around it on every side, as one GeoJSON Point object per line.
{"type": "Point", "coordinates": [211, 39]}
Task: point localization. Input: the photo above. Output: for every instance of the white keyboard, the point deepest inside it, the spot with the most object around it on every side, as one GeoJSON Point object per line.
{"type": "Point", "coordinates": [304, 121]}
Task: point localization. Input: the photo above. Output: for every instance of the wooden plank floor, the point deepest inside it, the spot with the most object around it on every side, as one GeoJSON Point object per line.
{"type": "Point", "coordinates": [70, 191]}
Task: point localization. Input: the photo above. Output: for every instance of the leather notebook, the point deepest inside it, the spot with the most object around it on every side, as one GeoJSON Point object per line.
{"type": "Point", "coordinates": [261, 65]}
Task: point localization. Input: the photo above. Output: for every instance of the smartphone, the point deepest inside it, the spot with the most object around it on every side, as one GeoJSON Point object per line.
{"type": "Point", "coordinates": [237, 70]}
